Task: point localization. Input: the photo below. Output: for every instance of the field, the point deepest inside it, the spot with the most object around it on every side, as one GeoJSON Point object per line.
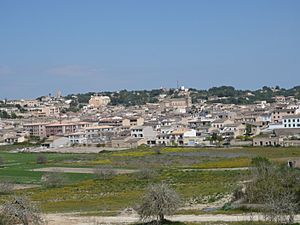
{"type": "Point", "coordinates": [182, 168]}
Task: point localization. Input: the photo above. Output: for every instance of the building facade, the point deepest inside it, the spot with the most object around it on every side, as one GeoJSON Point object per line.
{"type": "Point", "coordinates": [292, 121]}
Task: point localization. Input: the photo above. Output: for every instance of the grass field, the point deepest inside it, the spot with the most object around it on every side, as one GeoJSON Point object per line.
{"type": "Point", "coordinates": [84, 193]}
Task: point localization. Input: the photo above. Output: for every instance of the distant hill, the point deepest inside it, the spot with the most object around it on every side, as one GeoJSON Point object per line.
{"type": "Point", "coordinates": [222, 94]}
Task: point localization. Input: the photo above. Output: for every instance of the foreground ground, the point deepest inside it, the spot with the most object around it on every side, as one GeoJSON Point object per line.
{"type": "Point", "coordinates": [205, 178]}
{"type": "Point", "coordinates": [67, 219]}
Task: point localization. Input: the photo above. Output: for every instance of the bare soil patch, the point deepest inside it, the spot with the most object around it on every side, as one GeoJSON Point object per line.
{"type": "Point", "coordinates": [80, 170]}
{"type": "Point", "coordinates": [25, 186]}
{"type": "Point", "coordinates": [87, 149]}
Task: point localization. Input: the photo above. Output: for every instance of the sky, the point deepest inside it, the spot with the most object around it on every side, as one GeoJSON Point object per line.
{"type": "Point", "coordinates": [78, 46]}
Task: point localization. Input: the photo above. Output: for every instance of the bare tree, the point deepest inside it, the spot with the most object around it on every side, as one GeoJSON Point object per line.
{"type": "Point", "coordinates": [21, 210]}
{"type": "Point", "coordinates": [104, 172]}
{"type": "Point", "coordinates": [159, 200]}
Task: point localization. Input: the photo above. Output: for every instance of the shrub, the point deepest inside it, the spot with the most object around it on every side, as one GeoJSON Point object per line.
{"type": "Point", "coordinates": [104, 172]}
{"type": "Point", "coordinates": [41, 159]}
{"type": "Point", "coordinates": [54, 179]}
{"type": "Point", "coordinates": [146, 173]}
{"type": "Point", "coordinates": [157, 151]}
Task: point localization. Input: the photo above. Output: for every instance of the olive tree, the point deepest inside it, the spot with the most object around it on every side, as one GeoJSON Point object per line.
{"type": "Point", "coordinates": [276, 189]}
{"type": "Point", "coordinates": [22, 210]}
{"type": "Point", "coordinates": [159, 200]}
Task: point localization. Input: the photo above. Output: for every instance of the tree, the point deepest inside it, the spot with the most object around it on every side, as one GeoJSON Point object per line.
{"type": "Point", "coordinates": [22, 210]}
{"type": "Point", "coordinates": [4, 114]}
{"type": "Point", "coordinates": [280, 205]}
{"type": "Point", "coordinates": [159, 200]}
{"type": "Point", "coordinates": [13, 115]}
{"type": "Point", "coordinates": [248, 130]}
{"type": "Point", "coordinates": [216, 138]}
{"type": "Point", "coordinates": [275, 188]}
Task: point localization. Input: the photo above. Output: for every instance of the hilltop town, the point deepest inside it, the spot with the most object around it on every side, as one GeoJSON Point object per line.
{"type": "Point", "coordinates": [164, 117]}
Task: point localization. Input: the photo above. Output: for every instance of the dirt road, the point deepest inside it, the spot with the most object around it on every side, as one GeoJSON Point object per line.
{"type": "Point", "coordinates": [80, 170]}
{"type": "Point", "coordinates": [71, 219]}
{"type": "Point", "coordinates": [74, 150]}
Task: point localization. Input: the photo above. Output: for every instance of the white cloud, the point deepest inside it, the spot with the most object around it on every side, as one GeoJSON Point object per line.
{"type": "Point", "coordinates": [72, 70]}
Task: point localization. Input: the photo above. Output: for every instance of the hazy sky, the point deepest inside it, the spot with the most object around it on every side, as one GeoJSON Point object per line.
{"type": "Point", "coordinates": [78, 46]}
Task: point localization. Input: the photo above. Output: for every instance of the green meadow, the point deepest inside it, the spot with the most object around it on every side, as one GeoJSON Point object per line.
{"type": "Point", "coordinates": [182, 168]}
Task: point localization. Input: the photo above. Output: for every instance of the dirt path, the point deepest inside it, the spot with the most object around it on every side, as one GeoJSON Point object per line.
{"type": "Point", "coordinates": [25, 186]}
{"type": "Point", "coordinates": [120, 171]}
{"type": "Point", "coordinates": [79, 170]}
{"type": "Point", "coordinates": [219, 169]}
{"type": "Point", "coordinates": [80, 150]}
{"type": "Point", "coordinates": [71, 219]}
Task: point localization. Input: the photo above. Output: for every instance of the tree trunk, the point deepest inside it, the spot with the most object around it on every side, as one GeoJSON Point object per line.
{"type": "Point", "coordinates": [161, 217]}
{"type": "Point", "coordinates": [25, 221]}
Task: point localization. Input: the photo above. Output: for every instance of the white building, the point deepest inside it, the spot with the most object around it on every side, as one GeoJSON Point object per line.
{"type": "Point", "coordinates": [145, 132]}
{"type": "Point", "coordinates": [292, 121]}
{"type": "Point", "coordinates": [77, 138]}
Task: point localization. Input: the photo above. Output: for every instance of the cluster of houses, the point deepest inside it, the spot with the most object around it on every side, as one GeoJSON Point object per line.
{"type": "Point", "coordinates": [170, 122]}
